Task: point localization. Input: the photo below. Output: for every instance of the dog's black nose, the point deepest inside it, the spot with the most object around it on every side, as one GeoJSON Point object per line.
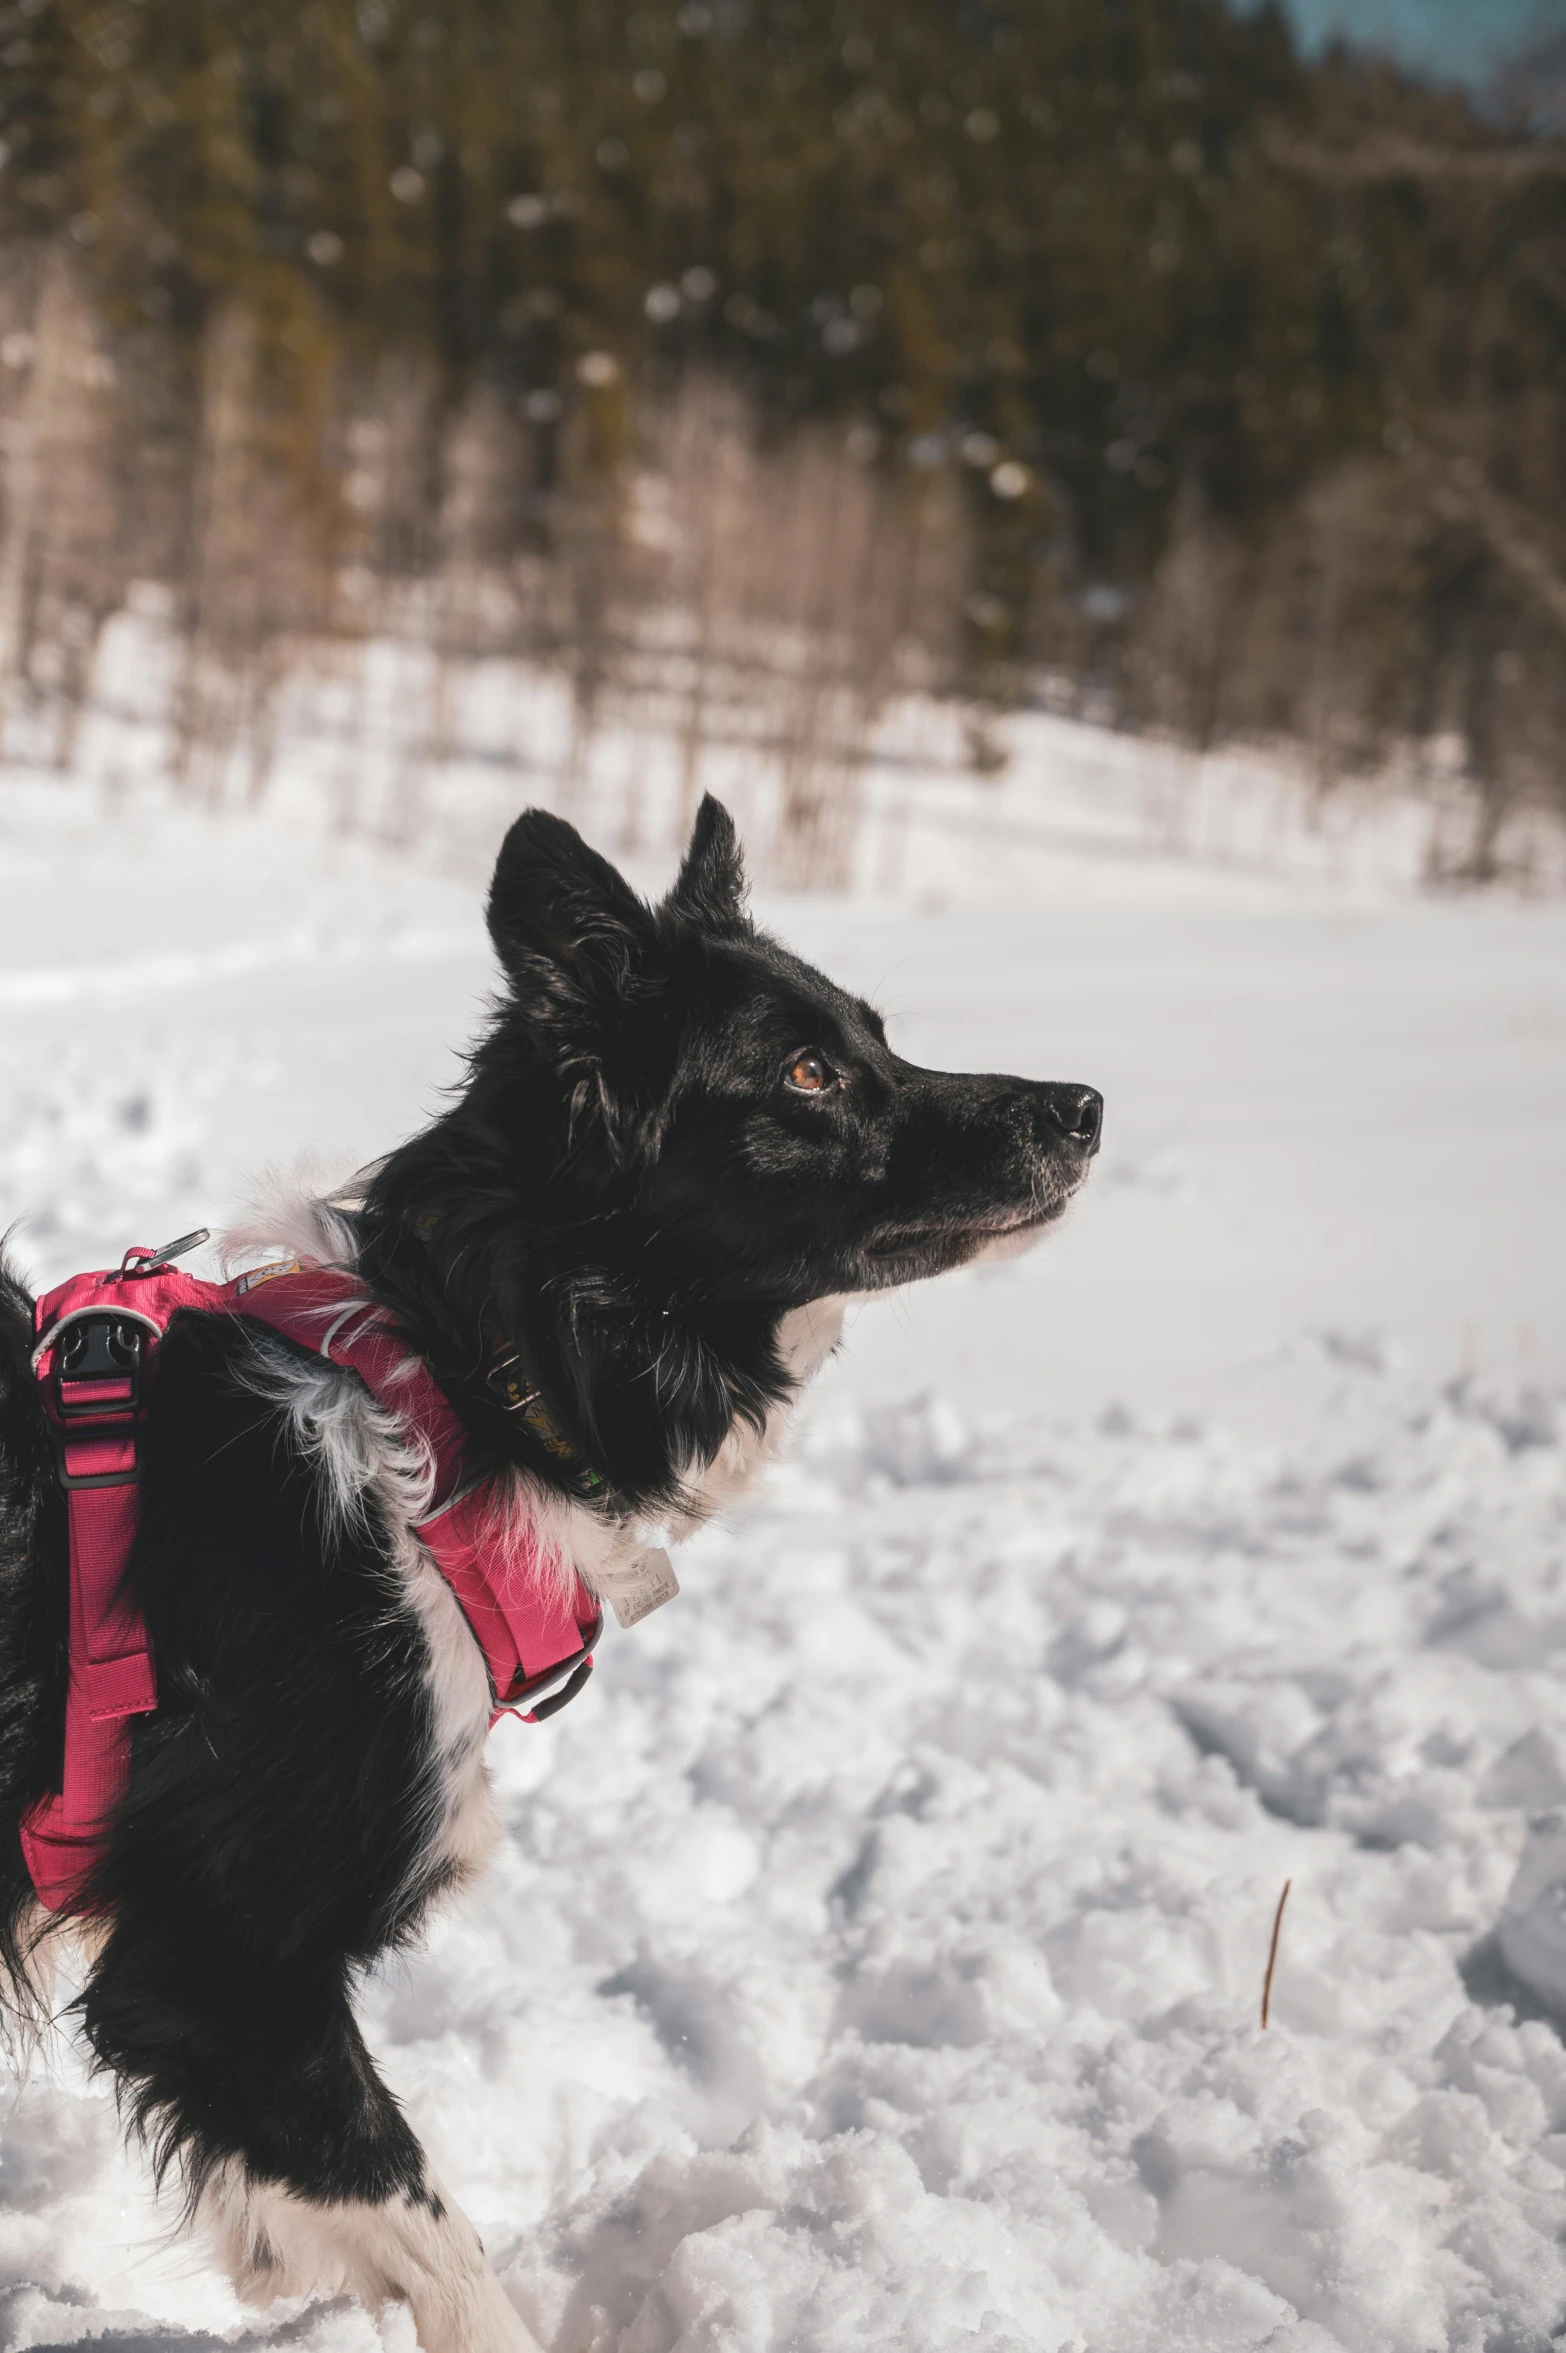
{"type": "Point", "coordinates": [1078, 1112]}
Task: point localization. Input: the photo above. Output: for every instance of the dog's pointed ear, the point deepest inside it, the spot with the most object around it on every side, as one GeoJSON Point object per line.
{"type": "Point", "coordinates": [561, 917]}
{"type": "Point", "coordinates": [710, 887]}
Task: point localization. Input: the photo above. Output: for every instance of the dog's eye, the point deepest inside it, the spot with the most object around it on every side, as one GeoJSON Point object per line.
{"type": "Point", "coordinates": [808, 1074]}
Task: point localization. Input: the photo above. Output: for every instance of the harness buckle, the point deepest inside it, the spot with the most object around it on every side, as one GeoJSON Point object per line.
{"type": "Point", "coordinates": [100, 1354]}
{"type": "Point", "coordinates": [97, 1388]}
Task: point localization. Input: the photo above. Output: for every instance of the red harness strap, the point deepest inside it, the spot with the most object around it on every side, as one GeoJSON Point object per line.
{"type": "Point", "coordinates": [528, 1621]}
{"type": "Point", "coordinates": [96, 1352]}
{"type": "Point", "coordinates": [97, 1336]}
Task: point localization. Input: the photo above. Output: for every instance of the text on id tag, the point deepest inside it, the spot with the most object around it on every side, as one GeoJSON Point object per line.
{"type": "Point", "coordinates": [646, 1588]}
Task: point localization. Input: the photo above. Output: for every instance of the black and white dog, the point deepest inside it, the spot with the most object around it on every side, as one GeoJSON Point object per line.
{"type": "Point", "coordinates": [678, 1150]}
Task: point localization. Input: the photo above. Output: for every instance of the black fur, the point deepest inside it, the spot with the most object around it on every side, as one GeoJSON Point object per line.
{"type": "Point", "coordinates": [639, 1178]}
{"type": "Point", "coordinates": [628, 1192]}
{"type": "Point", "coordinates": [271, 1842]}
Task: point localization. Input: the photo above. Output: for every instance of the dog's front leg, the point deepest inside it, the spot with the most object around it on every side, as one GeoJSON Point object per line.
{"type": "Point", "coordinates": [420, 2249]}
{"type": "Point", "coordinates": [255, 2080]}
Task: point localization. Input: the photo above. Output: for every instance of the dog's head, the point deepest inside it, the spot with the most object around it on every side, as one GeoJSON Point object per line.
{"type": "Point", "coordinates": [673, 1132]}
{"type": "Point", "coordinates": [745, 1116]}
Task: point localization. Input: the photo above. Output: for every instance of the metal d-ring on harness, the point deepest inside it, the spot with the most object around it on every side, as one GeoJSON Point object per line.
{"type": "Point", "coordinates": [94, 1362]}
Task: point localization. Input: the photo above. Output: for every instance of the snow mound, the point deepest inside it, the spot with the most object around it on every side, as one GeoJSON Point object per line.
{"type": "Point", "coordinates": [875, 1951]}
{"type": "Point", "coordinates": [1532, 1933]}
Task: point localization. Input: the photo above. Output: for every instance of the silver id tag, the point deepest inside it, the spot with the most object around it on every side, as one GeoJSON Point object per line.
{"type": "Point", "coordinates": [645, 1588]}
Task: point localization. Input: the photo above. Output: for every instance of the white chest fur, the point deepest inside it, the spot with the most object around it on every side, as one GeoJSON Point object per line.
{"type": "Point", "coordinates": [370, 1471]}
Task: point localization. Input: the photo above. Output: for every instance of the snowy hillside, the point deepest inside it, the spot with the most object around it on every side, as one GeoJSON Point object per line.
{"type": "Point", "coordinates": [876, 1952]}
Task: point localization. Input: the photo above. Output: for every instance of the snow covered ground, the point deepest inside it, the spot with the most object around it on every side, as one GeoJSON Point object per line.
{"type": "Point", "coordinates": [876, 1953]}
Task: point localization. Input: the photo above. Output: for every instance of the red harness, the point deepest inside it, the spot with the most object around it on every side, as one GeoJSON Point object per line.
{"type": "Point", "coordinates": [98, 1339]}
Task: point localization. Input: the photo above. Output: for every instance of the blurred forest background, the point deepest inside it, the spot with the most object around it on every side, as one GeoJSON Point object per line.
{"type": "Point", "coordinates": [747, 365]}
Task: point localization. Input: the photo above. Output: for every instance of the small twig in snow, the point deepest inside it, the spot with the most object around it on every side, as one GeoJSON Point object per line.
{"type": "Point", "coordinates": [1272, 1953]}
